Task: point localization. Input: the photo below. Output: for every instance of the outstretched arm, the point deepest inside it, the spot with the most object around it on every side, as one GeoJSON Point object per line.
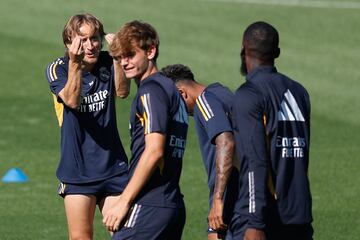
{"type": "Point", "coordinates": [149, 160]}
{"type": "Point", "coordinates": [225, 146]}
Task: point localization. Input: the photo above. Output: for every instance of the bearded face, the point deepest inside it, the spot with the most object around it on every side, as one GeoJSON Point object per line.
{"type": "Point", "coordinates": [243, 69]}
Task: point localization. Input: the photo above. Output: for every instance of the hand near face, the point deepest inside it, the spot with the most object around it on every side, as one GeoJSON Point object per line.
{"type": "Point", "coordinates": [76, 50]}
{"type": "Point", "coordinates": [109, 38]}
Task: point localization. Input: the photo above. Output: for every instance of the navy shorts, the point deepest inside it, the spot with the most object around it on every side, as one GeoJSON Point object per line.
{"type": "Point", "coordinates": [293, 232]}
{"type": "Point", "coordinates": [274, 230]}
{"type": "Point", "coordinates": [100, 189]}
{"type": "Point", "coordinates": [152, 223]}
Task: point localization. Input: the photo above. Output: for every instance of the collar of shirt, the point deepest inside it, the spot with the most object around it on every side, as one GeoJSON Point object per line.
{"type": "Point", "coordinates": [215, 84]}
{"type": "Point", "coordinates": [148, 78]}
{"type": "Point", "coordinates": [260, 69]}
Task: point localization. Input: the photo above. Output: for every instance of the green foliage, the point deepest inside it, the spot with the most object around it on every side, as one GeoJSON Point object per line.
{"type": "Point", "coordinates": [320, 48]}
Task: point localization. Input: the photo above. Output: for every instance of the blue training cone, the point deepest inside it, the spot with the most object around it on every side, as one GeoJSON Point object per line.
{"type": "Point", "coordinates": [14, 175]}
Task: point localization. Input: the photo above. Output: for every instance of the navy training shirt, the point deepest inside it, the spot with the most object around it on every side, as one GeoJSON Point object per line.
{"type": "Point", "coordinates": [91, 149]}
{"type": "Point", "coordinates": [212, 117]}
{"type": "Point", "coordinates": [272, 130]}
{"type": "Point", "coordinates": [158, 107]}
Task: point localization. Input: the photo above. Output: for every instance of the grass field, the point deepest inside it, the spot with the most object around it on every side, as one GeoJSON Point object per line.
{"type": "Point", "coordinates": [320, 48]}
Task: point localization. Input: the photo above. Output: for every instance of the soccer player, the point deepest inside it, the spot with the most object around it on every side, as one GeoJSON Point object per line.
{"type": "Point", "coordinates": [210, 106]}
{"type": "Point", "coordinates": [151, 206]}
{"type": "Point", "coordinates": [84, 83]}
{"type": "Point", "coordinates": [272, 133]}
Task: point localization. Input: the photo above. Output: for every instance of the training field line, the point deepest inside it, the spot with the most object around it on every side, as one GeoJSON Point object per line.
{"type": "Point", "coordinates": [297, 3]}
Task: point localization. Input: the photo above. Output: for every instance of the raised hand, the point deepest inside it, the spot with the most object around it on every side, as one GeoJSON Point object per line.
{"type": "Point", "coordinates": [109, 38]}
{"type": "Point", "coordinates": [76, 50]}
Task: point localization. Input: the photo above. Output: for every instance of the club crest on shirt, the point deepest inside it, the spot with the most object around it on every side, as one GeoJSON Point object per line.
{"type": "Point", "coordinates": [104, 74]}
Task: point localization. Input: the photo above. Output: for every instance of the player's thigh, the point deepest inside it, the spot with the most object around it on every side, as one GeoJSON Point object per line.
{"type": "Point", "coordinates": [110, 189]}
{"type": "Point", "coordinates": [80, 211]}
{"type": "Point", "coordinates": [106, 203]}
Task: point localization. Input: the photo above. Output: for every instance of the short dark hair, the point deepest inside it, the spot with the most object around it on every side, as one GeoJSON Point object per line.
{"type": "Point", "coordinates": [262, 39]}
{"type": "Point", "coordinates": [177, 72]}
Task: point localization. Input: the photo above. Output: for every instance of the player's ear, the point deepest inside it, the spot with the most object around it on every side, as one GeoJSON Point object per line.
{"type": "Point", "coordinates": [69, 41]}
{"type": "Point", "coordinates": [151, 52]}
{"type": "Point", "coordinates": [68, 44]}
{"type": "Point", "coordinates": [277, 53]}
{"type": "Point", "coordinates": [182, 92]}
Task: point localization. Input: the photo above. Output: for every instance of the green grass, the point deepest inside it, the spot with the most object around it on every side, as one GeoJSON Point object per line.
{"type": "Point", "coordinates": [320, 48]}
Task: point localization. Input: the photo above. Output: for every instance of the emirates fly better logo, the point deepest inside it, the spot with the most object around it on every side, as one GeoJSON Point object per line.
{"type": "Point", "coordinates": [291, 147]}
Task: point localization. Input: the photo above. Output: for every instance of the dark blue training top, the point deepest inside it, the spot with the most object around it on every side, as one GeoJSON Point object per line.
{"type": "Point", "coordinates": [91, 149]}
{"type": "Point", "coordinates": [158, 107]}
{"type": "Point", "coordinates": [272, 130]}
{"type": "Point", "coordinates": [212, 117]}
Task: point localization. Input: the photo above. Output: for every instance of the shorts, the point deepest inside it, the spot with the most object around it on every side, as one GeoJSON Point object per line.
{"type": "Point", "coordinates": [293, 232]}
{"type": "Point", "coordinates": [152, 223]}
{"type": "Point", "coordinates": [100, 189]}
{"type": "Point", "coordinates": [274, 230]}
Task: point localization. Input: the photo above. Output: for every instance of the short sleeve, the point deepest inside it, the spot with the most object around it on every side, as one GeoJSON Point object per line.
{"type": "Point", "coordinates": [212, 115]}
{"type": "Point", "coordinates": [56, 75]}
{"type": "Point", "coordinates": [154, 107]}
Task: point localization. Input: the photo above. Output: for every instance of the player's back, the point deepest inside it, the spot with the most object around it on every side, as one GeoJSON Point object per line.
{"type": "Point", "coordinates": [223, 94]}
{"type": "Point", "coordinates": [212, 117]}
{"type": "Point", "coordinates": [287, 123]}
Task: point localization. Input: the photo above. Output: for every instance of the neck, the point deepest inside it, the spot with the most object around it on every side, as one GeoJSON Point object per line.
{"type": "Point", "coordinates": [151, 69]}
{"type": "Point", "coordinates": [199, 88]}
{"type": "Point", "coordinates": [194, 89]}
{"type": "Point", "coordinates": [87, 67]}
{"type": "Point", "coordinates": [252, 63]}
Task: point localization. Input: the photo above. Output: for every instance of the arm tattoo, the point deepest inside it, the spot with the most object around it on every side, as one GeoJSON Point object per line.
{"type": "Point", "coordinates": [225, 146]}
